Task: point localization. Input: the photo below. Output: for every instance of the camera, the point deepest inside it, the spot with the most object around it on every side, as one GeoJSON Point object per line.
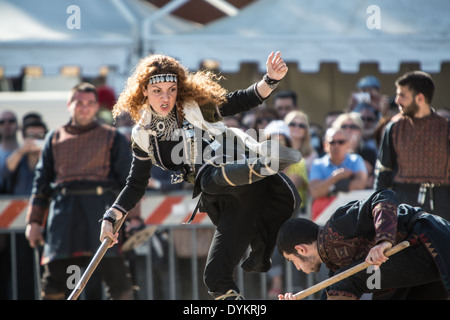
{"type": "Point", "coordinates": [39, 143]}
{"type": "Point", "coordinates": [362, 97]}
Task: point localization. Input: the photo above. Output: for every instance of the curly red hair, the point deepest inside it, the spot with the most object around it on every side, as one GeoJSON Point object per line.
{"type": "Point", "coordinates": [199, 86]}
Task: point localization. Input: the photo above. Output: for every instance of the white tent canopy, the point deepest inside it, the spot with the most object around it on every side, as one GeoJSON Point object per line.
{"type": "Point", "coordinates": [310, 32]}
{"type": "Point", "coordinates": [41, 33]}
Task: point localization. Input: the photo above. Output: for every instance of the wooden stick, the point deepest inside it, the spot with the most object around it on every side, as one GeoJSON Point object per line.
{"type": "Point", "coordinates": [347, 273]}
{"type": "Point", "coordinates": [95, 261]}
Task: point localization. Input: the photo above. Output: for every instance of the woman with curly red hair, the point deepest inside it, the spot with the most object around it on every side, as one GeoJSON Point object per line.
{"type": "Point", "coordinates": [178, 128]}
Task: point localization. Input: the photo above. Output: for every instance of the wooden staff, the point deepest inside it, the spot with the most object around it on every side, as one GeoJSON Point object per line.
{"type": "Point", "coordinates": [347, 273]}
{"type": "Point", "coordinates": [95, 261]}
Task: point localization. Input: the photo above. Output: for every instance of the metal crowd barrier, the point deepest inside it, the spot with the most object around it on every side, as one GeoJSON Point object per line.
{"type": "Point", "coordinates": [176, 276]}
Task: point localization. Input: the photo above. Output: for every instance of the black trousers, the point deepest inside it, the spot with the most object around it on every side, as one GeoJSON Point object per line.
{"type": "Point", "coordinates": [407, 193]}
{"type": "Point", "coordinates": [408, 274]}
{"type": "Point", "coordinates": [236, 213]}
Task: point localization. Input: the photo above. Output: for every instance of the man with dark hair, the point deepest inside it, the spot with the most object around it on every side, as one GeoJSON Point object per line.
{"type": "Point", "coordinates": [414, 156]}
{"type": "Point", "coordinates": [17, 170]}
{"type": "Point", "coordinates": [284, 102]}
{"type": "Point", "coordinates": [361, 231]}
{"type": "Point", "coordinates": [417, 82]}
{"type": "Point", "coordinates": [83, 166]}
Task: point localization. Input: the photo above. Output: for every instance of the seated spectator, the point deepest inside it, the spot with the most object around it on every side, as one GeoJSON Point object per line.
{"type": "Point", "coordinates": [351, 122]}
{"type": "Point", "coordinates": [338, 170]}
{"type": "Point", "coordinates": [330, 117]}
{"type": "Point", "coordinates": [300, 136]}
{"type": "Point", "coordinates": [263, 116]}
{"type": "Point", "coordinates": [316, 137]}
{"type": "Point", "coordinates": [284, 102]}
{"type": "Point", "coordinates": [297, 172]}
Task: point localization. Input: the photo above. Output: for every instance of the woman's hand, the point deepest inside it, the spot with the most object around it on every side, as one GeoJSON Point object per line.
{"type": "Point", "coordinates": [107, 231]}
{"type": "Point", "coordinates": [276, 67]}
{"type": "Point", "coordinates": [276, 70]}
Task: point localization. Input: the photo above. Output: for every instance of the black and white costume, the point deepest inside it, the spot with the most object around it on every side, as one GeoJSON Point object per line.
{"type": "Point", "coordinates": [239, 179]}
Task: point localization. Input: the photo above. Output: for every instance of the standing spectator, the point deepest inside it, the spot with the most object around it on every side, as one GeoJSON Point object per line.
{"type": "Point", "coordinates": [17, 171]}
{"type": "Point", "coordinates": [284, 102]}
{"type": "Point", "coordinates": [338, 170]}
{"type": "Point", "coordinates": [299, 131]}
{"type": "Point", "coordinates": [369, 91]}
{"type": "Point", "coordinates": [414, 157]}
{"type": "Point", "coordinates": [392, 112]}
{"type": "Point", "coordinates": [106, 94]}
{"type": "Point", "coordinates": [16, 174]}
{"type": "Point", "coordinates": [370, 118]}
{"type": "Point", "coordinates": [353, 124]}
{"type": "Point", "coordinates": [83, 166]}
{"type": "Point", "coordinates": [8, 135]}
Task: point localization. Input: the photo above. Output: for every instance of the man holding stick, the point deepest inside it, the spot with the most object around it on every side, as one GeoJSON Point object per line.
{"type": "Point", "coordinates": [83, 166]}
{"type": "Point", "coordinates": [362, 231]}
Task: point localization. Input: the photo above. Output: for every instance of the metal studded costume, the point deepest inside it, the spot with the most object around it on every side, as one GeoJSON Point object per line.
{"type": "Point", "coordinates": [247, 206]}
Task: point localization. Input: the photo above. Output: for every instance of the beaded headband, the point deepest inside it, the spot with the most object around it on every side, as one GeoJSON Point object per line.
{"type": "Point", "coordinates": [169, 77]}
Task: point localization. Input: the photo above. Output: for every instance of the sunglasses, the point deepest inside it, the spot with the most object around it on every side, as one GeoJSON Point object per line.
{"type": "Point", "coordinates": [35, 135]}
{"type": "Point", "coordinates": [339, 142]}
{"type": "Point", "coordinates": [10, 121]}
{"type": "Point", "coordinates": [263, 119]}
{"type": "Point", "coordinates": [298, 125]}
{"type": "Point", "coordinates": [368, 119]}
{"type": "Point", "coordinates": [350, 126]}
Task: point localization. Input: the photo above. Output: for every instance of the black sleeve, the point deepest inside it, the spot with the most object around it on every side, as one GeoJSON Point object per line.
{"type": "Point", "coordinates": [356, 218]}
{"type": "Point", "coordinates": [241, 101]}
{"type": "Point", "coordinates": [120, 160]}
{"type": "Point", "coordinates": [387, 161]}
{"type": "Point", "coordinates": [137, 182]}
{"type": "Point", "coordinates": [44, 174]}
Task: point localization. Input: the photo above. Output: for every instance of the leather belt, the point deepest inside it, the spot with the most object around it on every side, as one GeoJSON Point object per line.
{"type": "Point", "coordinates": [99, 190]}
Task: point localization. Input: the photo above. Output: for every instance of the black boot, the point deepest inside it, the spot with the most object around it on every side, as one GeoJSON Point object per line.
{"type": "Point", "coordinates": [274, 158]}
{"type": "Point", "coordinates": [230, 295]}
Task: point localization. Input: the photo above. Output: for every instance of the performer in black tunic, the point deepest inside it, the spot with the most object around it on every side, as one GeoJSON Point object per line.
{"type": "Point", "coordinates": [361, 231]}
{"type": "Point", "coordinates": [82, 168]}
{"type": "Point", "coordinates": [178, 128]}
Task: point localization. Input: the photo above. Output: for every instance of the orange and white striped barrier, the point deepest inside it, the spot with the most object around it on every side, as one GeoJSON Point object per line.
{"type": "Point", "coordinates": [155, 209]}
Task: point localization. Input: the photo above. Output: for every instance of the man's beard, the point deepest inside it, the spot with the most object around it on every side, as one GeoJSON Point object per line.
{"type": "Point", "coordinates": [410, 110]}
{"type": "Point", "coordinates": [313, 264]}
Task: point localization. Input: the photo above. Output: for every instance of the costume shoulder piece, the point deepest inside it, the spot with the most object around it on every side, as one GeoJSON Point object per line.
{"type": "Point", "coordinates": [195, 115]}
{"type": "Point", "coordinates": [140, 138]}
